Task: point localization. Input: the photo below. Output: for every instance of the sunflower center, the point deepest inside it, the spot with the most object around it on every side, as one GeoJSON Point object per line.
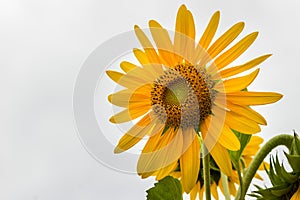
{"type": "Point", "coordinates": [182, 96]}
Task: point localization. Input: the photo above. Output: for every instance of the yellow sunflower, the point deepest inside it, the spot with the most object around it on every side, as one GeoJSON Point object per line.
{"type": "Point", "coordinates": [233, 180]}
{"type": "Point", "coordinates": [182, 90]}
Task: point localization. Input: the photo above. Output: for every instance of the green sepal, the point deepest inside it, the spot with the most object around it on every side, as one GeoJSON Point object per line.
{"type": "Point", "coordinates": [280, 190]}
{"type": "Point", "coordinates": [294, 161]}
{"type": "Point", "coordinates": [166, 189]}
{"type": "Point", "coordinates": [295, 149]}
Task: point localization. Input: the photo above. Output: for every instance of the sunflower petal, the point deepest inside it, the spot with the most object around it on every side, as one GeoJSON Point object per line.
{"type": "Point", "coordinates": [163, 42]}
{"type": "Point", "coordinates": [241, 68]}
{"type": "Point", "coordinates": [221, 43]}
{"type": "Point", "coordinates": [204, 42]}
{"type": "Point", "coordinates": [194, 192]}
{"type": "Point", "coordinates": [129, 114]}
{"type": "Point", "coordinates": [221, 156]}
{"type": "Point", "coordinates": [241, 123]}
{"type": "Point", "coordinates": [248, 112]}
{"type": "Point", "coordinates": [125, 97]}
{"type": "Point", "coordinates": [214, 191]}
{"type": "Point", "coordinates": [190, 160]}
{"type": "Point", "coordinates": [253, 98]}
{"type": "Point", "coordinates": [210, 30]}
{"type": "Point", "coordinates": [125, 80]}
{"type": "Point", "coordinates": [238, 84]}
{"type": "Point", "coordinates": [296, 195]}
{"type": "Point", "coordinates": [234, 52]}
{"type": "Point", "coordinates": [145, 42]}
{"type": "Point", "coordinates": [185, 34]}
{"type": "Point", "coordinates": [135, 134]}
{"type": "Point", "coordinates": [127, 66]}
{"type": "Point", "coordinates": [165, 152]}
{"type": "Point", "coordinates": [228, 139]}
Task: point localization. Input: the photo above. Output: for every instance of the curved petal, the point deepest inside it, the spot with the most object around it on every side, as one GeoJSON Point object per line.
{"type": "Point", "coordinates": [237, 84]}
{"type": "Point", "coordinates": [163, 42]}
{"type": "Point", "coordinates": [248, 112]}
{"type": "Point", "coordinates": [210, 30]}
{"type": "Point", "coordinates": [145, 42]}
{"type": "Point", "coordinates": [125, 97]}
{"type": "Point", "coordinates": [165, 150]}
{"type": "Point", "coordinates": [221, 156]}
{"type": "Point", "coordinates": [244, 67]}
{"type": "Point", "coordinates": [194, 192]}
{"type": "Point", "coordinates": [234, 52]}
{"type": "Point", "coordinates": [184, 39]}
{"type": "Point", "coordinates": [228, 139]}
{"type": "Point", "coordinates": [127, 66]}
{"type": "Point", "coordinates": [220, 44]}
{"type": "Point", "coordinates": [214, 191]}
{"type": "Point", "coordinates": [190, 160]}
{"type": "Point", "coordinates": [135, 134]}
{"type": "Point", "coordinates": [253, 98]}
{"type": "Point", "coordinates": [241, 123]}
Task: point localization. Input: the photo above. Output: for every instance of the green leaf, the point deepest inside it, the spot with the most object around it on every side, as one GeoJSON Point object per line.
{"type": "Point", "coordinates": [168, 188]}
{"type": "Point", "coordinates": [236, 155]}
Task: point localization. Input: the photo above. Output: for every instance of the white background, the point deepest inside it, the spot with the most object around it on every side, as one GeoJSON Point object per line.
{"type": "Point", "coordinates": [44, 43]}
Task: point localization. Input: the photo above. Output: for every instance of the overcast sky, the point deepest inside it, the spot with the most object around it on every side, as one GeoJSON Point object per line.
{"type": "Point", "coordinates": [43, 45]}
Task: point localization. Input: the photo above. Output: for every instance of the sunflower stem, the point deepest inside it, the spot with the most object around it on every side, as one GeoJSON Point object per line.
{"type": "Point", "coordinates": [206, 171]}
{"type": "Point", "coordinates": [225, 186]}
{"type": "Point", "coordinates": [238, 168]}
{"type": "Point", "coordinates": [282, 139]}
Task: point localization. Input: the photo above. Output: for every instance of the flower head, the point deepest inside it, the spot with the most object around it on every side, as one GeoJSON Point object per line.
{"type": "Point", "coordinates": [183, 91]}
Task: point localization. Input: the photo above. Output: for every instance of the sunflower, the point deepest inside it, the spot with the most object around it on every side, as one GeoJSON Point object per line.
{"type": "Point", "coordinates": [233, 180]}
{"type": "Point", "coordinates": [184, 90]}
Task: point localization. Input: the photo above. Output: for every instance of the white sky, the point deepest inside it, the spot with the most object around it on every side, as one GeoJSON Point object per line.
{"type": "Point", "coordinates": [43, 45]}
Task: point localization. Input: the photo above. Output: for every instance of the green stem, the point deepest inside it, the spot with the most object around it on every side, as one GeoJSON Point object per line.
{"type": "Point", "coordinates": [238, 168]}
{"type": "Point", "coordinates": [225, 186]}
{"type": "Point", "coordinates": [206, 171]}
{"type": "Point", "coordinates": [283, 139]}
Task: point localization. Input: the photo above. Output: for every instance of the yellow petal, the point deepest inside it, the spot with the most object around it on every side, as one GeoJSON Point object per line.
{"type": "Point", "coordinates": [237, 84]}
{"type": "Point", "coordinates": [253, 145]}
{"type": "Point", "coordinates": [135, 134]}
{"type": "Point", "coordinates": [228, 139]}
{"type": "Point", "coordinates": [221, 43]}
{"type": "Point", "coordinates": [201, 191]}
{"type": "Point", "coordinates": [126, 97]}
{"type": "Point", "coordinates": [194, 192]}
{"type": "Point", "coordinates": [234, 52]}
{"type": "Point", "coordinates": [214, 191]}
{"type": "Point", "coordinates": [163, 42]}
{"type": "Point", "coordinates": [241, 123]}
{"type": "Point", "coordinates": [296, 195]}
{"type": "Point", "coordinates": [232, 188]}
{"type": "Point", "coordinates": [166, 151]}
{"type": "Point", "coordinates": [253, 98]}
{"type": "Point", "coordinates": [248, 112]}
{"type": "Point", "coordinates": [127, 66]}
{"type": "Point", "coordinates": [141, 56]}
{"type": "Point", "coordinates": [129, 114]}
{"type": "Point", "coordinates": [200, 51]}
{"type": "Point", "coordinates": [241, 68]}
{"type": "Point", "coordinates": [190, 160]}
{"type": "Point", "coordinates": [145, 42]}
{"type": "Point", "coordinates": [162, 173]}
{"type": "Point", "coordinates": [221, 156]}
{"type": "Point", "coordinates": [125, 80]}
{"type": "Point", "coordinates": [185, 34]}
{"type": "Point", "coordinates": [210, 30]}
